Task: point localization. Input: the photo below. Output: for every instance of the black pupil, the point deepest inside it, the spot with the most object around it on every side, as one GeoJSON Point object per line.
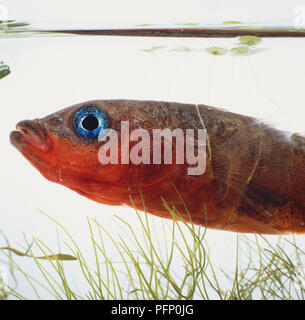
{"type": "Point", "coordinates": [90, 123]}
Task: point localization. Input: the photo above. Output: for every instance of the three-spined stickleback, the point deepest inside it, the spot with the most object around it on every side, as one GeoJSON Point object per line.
{"type": "Point", "coordinates": [254, 178]}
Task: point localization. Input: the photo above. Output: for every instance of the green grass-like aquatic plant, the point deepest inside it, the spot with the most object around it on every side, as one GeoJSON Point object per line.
{"type": "Point", "coordinates": [136, 266]}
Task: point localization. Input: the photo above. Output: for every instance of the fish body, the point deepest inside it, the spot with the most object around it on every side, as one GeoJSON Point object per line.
{"type": "Point", "coordinates": [254, 178]}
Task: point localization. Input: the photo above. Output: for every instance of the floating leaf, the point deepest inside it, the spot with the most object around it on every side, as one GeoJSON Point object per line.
{"type": "Point", "coordinates": [184, 49]}
{"type": "Point", "coordinates": [59, 256]}
{"type": "Point", "coordinates": [249, 40]}
{"type": "Point", "coordinates": [245, 50]}
{"type": "Point", "coordinates": [145, 25]}
{"type": "Point", "coordinates": [13, 24]}
{"type": "Point", "coordinates": [188, 24]}
{"type": "Point", "coordinates": [216, 51]}
{"type": "Point", "coordinates": [4, 70]}
{"type": "Point", "coordinates": [153, 49]}
{"type": "Point", "coordinates": [240, 51]}
{"type": "Point", "coordinates": [231, 22]}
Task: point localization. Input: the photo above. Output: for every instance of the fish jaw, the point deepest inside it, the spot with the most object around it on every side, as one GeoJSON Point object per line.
{"type": "Point", "coordinates": [52, 156]}
{"type": "Point", "coordinates": [32, 140]}
{"type": "Point", "coordinates": [32, 134]}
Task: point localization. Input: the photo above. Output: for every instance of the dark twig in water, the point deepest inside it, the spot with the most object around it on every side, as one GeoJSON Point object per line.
{"type": "Point", "coordinates": [263, 32]}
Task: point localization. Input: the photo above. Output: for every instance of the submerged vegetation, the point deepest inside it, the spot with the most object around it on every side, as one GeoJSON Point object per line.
{"type": "Point", "coordinates": [136, 266]}
{"type": "Point", "coordinates": [245, 46]}
{"type": "Point", "coordinates": [8, 29]}
{"type": "Point", "coordinates": [4, 70]}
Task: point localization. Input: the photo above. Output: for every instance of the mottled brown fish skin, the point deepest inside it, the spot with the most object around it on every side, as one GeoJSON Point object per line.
{"type": "Point", "coordinates": [254, 179]}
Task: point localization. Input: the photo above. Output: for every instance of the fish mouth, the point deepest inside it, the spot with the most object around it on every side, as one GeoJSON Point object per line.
{"type": "Point", "coordinates": [30, 134]}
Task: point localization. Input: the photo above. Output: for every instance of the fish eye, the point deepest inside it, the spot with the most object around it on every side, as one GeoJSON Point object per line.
{"type": "Point", "coordinates": [88, 122]}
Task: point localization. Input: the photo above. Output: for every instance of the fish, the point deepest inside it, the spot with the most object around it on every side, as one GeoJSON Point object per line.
{"type": "Point", "coordinates": [254, 177]}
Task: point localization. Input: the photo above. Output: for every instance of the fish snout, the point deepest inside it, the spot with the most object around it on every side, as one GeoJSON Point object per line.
{"type": "Point", "coordinates": [32, 133]}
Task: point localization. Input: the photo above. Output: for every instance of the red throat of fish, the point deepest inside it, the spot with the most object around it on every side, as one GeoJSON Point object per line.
{"type": "Point", "coordinates": [76, 166]}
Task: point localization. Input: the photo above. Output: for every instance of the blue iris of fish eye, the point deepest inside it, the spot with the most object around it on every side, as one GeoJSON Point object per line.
{"type": "Point", "coordinates": [88, 122]}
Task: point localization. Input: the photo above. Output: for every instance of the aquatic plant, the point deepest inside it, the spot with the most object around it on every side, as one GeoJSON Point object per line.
{"type": "Point", "coordinates": [147, 270]}
{"type": "Point", "coordinates": [4, 70]}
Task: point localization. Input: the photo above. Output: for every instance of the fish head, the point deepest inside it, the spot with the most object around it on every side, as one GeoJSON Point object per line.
{"type": "Point", "coordinates": [66, 147]}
